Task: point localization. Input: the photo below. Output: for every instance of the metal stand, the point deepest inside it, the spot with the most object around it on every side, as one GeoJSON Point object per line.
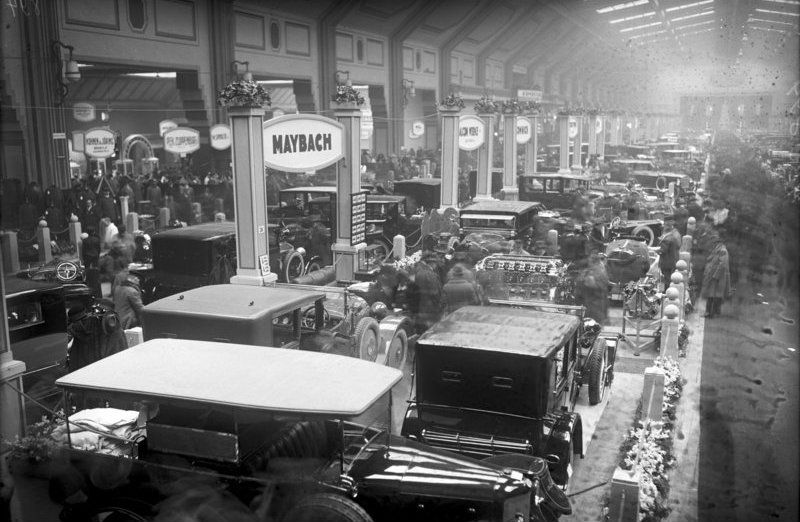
{"type": "Point", "coordinates": [643, 329]}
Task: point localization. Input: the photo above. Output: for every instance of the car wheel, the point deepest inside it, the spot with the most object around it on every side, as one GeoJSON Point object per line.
{"type": "Point", "coordinates": [293, 266]}
{"type": "Point", "coordinates": [326, 507]}
{"type": "Point", "coordinates": [398, 348]}
{"type": "Point", "coordinates": [313, 266]}
{"type": "Point", "coordinates": [366, 339]}
{"type": "Point", "coordinates": [382, 252]}
{"type": "Point", "coordinates": [597, 364]}
{"type": "Point", "coordinates": [646, 233]}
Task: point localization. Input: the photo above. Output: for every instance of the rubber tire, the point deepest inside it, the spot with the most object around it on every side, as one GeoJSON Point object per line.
{"type": "Point", "coordinates": [387, 249]}
{"type": "Point", "coordinates": [595, 364]}
{"type": "Point", "coordinates": [367, 331]}
{"type": "Point", "coordinates": [646, 230]}
{"type": "Point", "coordinates": [313, 266]}
{"type": "Point", "coordinates": [326, 507]}
{"type": "Point", "coordinates": [400, 336]}
{"type": "Point", "coordinates": [293, 257]}
{"type": "Point", "coordinates": [665, 184]}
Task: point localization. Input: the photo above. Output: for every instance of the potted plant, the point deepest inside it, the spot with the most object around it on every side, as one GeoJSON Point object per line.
{"type": "Point", "coordinates": [347, 96]}
{"type": "Point", "coordinates": [244, 93]}
{"type": "Point", "coordinates": [32, 454]}
{"type": "Point", "coordinates": [485, 105]}
{"type": "Point", "coordinates": [511, 107]}
{"type": "Point", "coordinates": [533, 108]}
{"type": "Point", "coordinates": [452, 102]}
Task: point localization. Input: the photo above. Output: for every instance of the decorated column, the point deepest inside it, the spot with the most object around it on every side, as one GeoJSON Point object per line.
{"type": "Point", "coordinates": [511, 109]}
{"type": "Point", "coordinates": [486, 109]}
{"type": "Point", "coordinates": [449, 110]}
{"type": "Point", "coordinates": [245, 101]}
{"type": "Point", "coordinates": [591, 132]}
{"type": "Point", "coordinates": [564, 120]}
{"type": "Point", "coordinates": [533, 145]}
{"type": "Point", "coordinates": [601, 138]}
{"type": "Point", "coordinates": [577, 147]}
{"type": "Point", "coordinates": [348, 182]}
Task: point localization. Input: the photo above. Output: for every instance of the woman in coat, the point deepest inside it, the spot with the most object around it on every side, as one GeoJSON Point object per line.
{"type": "Point", "coordinates": [716, 278]}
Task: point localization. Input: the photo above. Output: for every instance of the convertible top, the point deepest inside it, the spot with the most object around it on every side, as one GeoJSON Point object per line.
{"type": "Point", "coordinates": [238, 376]}
{"type": "Point", "coordinates": [508, 330]}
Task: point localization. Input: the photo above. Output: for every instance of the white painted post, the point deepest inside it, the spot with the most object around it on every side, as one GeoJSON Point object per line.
{"type": "Point", "coordinates": [676, 280]}
{"type": "Point", "coordinates": [670, 328]}
{"type": "Point", "coordinates": [552, 242]}
{"type": "Point", "coordinates": [686, 243]}
{"type": "Point", "coordinates": [510, 189]}
{"type": "Point", "coordinates": [132, 222]}
{"type": "Point", "coordinates": [483, 183]}
{"type": "Point", "coordinates": [43, 240]}
{"type": "Point", "coordinates": [134, 336]}
{"type": "Point", "coordinates": [399, 246]}
{"type": "Point", "coordinates": [10, 247]}
{"type": "Point", "coordinates": [12, 416]}
{"type": "Point", "coordinates": [449, 187]}
{"type": "Point", "coordinates": [75, 234]}
{"type": "Point", "coordinates": [163, 218]}
{"type": "Point", "coordinates": [124, 207]}
{"type": "Point", "coordinates": [624, 503]}
{"type": "Point", "coordinates": [653, 394]}
{"type": "Point", "coordinates": [104, 223]}
{"type": "Point", "coordinates": [563, 143]}
{"type": "Point", "coordinates": [691, 225]}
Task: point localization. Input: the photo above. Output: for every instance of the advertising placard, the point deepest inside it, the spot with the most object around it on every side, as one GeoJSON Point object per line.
{"type": "Point", "coordinates": [220, 135]}
{"type": "Point", "coordinates": [573, 127]}
{"type": "Point", "coordinates": [181, 140]}
{"type": "Point", "coordinates": [302, 142]}
{"type": "Point", "coordinates": [598, 125]}
{"type": "Point", "coordinates": [523, 130]}
{"type": "Point", "coordinates": [529, 95]}
{"type": "Point", "coordinates": [83, 111]}
{"type": "Point", "coordinates": [418, 128]}
{"type": "Point", "coordinates": [166, 125]}
{"type": "Point", "coordinates": [99, 143]}
{"type": "Point", "coordinates": [471, 132]}
{"type": "Point", "coordinates": [358, 220]}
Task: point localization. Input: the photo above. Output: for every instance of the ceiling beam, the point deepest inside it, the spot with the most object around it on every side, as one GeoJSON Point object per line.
{"type": "Point", "coordinates": [503, 35]}
{"type": "Point", "coordinates": [473, 19]}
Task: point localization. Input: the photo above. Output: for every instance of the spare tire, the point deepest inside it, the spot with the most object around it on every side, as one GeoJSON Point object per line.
{"type": "Point", "coordinates": [293, 266]}
{"type": "Point", "coordinates": [646, 233]}
{"type": "Point", "coordinates": [596, 364]}
{"type": "Point", "coordinates": [367, 339]}
{"type": "Point", "coordinates": [326, 507]}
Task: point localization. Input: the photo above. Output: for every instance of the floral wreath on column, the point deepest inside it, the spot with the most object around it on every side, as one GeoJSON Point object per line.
{"type": "Point", "coordinates": [486, 105]}
{"type": "Point", "coordinates": [346, 94]}
{"type": "Point", "coordinates": [452, 101]}
{"type": "Point", "coordinates": [244, 93]}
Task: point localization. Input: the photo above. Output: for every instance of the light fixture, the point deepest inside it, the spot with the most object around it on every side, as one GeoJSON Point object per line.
{"type": "Point", "coordinates": [68, 70]}
{"type": "Point", "coordinates": [247, 76]}
{"type": "Point", "coordinates": [408, 91]}
{"type": "Point", "coordinates": [346, 76]}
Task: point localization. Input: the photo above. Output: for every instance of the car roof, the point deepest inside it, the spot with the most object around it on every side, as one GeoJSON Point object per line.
{"type": "Point", "coordinates": [205, 231]}
{"type": "Point", "coordinates": [384, 198]}
{"type": "Point", "coordinates": [16, 285]}
{"type": "Point", "coordinates": [239, 376]}
{"type": "Point", "coordinates": [508, 330]}
{"type": "Point", "coordinates": [326, 189]}
{"type": "Point", "coordinates": [556, 175]}
{"type": "Point", "coordinates": [236, 301]}
{"type": "Point", "coordinates": [516, 207]}
{"type": "Point", "coordinates": [419, 181]}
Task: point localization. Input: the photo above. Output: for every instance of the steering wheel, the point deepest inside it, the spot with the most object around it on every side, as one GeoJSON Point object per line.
{"type": "Point", "coordinates": [66, 271]}
{"type": "Point", "coordinates": [309, 318]}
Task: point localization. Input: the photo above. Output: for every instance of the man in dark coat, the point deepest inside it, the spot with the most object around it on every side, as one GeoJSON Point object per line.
{"type": "Point", "coordinates": [429, 291]}
{"type": "Point", "coordinates": [669, 250]}
{"type": "Point", "coordinates": [591, 288]}
{"type": "Point", "coordinates": [460, 289]}
{"type": "Point", "coordinates": [716, 278]}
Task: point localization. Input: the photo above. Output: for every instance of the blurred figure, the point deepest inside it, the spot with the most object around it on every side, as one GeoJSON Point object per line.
{"type": "Point", "coordinates": [429, 291]}
{"type": "Point", "coordinates": [460, 289]}
{"type": "Point", "coordinates": [128, 301]}
{"type": "Point", "coordinates": [591, 288]}
{"type": "Point", "coordinates": [669, 250]}
{"type": "Point", "coordinates": [716, 278]}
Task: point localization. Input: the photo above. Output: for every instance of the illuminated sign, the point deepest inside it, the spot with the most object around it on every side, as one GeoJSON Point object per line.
{"type": "Point", "coordinates": [83, 112]}
{"type": "Point", "coordinates": [181, 140]}
{"type": "Point", "coordinates": [99, 143]}
{"type": "Point", "coordinates": [302, 142]}
{"type": "Point", "coordinates": [166, 125]}
{"type": "Point", "coordinates": [471, 132]}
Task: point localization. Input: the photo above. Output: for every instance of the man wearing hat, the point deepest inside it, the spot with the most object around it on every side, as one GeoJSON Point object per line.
{"type": "Point", "coordinates": [669, 251]}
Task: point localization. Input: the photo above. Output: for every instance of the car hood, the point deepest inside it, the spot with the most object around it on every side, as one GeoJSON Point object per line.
{"type": "Point", "coordinates": [407, 467]}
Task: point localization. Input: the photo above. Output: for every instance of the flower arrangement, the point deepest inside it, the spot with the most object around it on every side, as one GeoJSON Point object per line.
{"type": "Point", "coordinates": [37, 445]}
{"type": "Point", "coordinates": [647, 449]}
{"type": "Point", "coordinates": [593, 112]}
{"type": "Point", "coordinates": [407, 263]}
{"type": "Point", "coordinates": [511, 107]}
{"type": "Point", "coordinates": [452, 101]}
{"type": "Point", "coordinates": [683, 339]}
{"type": "Point", "coordinates": [346, 94]}
{"type": "Point", "coordinates": [534, 107]}
{"type": "Point", "coordinates": [244, 93]}
{"type": "Point", "coordinates": [485, 105]}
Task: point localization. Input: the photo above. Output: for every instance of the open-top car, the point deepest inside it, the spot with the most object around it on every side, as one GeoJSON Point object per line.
{"type": "Point", "coordinates": [308, 438]}
{"type": "Point", "coordinates": [497, 380]}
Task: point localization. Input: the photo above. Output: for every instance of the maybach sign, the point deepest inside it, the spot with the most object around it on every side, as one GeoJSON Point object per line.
{"type": "Point", "coordinates": [523, 130]}
{"type": "Point", "coordinates": [182, 140]}
{"type": "Point", "coordinates": [100, 143]}
{"type": "Point", "coordinates": [302, 142]}
{"type": "Point", "coordinates": [471, 132]}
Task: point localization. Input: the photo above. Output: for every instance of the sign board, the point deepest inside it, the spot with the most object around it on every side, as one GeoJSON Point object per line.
{"type": "Point", "coordinates": [99, 143]}
{"type": "Point", "coordinates": [598, 125]}
{"type": "Point", "coordinates": [418, 128]}
{"type": "Point", "coordinates": [573, 127]}
{"type": "Point", "coordinates": [523, 130]}
{"type": "Point", "coordinates": [181, 140]}
{"type": "Point", "coordinates": [529, 95]}
{"type": "Point", "coordinates": [302, 142]}
{"type": "Point", "coordinates": [263, 261]}
{"type": "Point", "coordinates": [166, 125]}
{"type": "Point", "coordinates": [220, 136]}
{"type": "Point", "coordinates": [83, 111]}
{"type": "Point", "coordinates": [471, 132]}
{"type": "Point", "coordinates": [358, 219]}
{"type": "Point", "coordinates": [78, 138]}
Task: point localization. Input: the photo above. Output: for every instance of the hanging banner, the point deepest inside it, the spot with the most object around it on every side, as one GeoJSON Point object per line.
{"type": "Point", "coordinates": [471, 132]}
{"type": "Point", "coordinates": [182, 140]}
{"type": "Point", "coordinates": [83, 111]}
{"type": "Point", "coordinates": [302, 142]}
{"type": "Point", "coordinates": [166, 125]}
{"type": "Point", "coordinates": [220, 135]}
{"type": "Point", "coordinates": [573, 127]}
{"type": "Point", "coordinates": [418, 128]}
{"type": "Point", "coordinates": [99, 143]}
{"type": "Point", "coordinates": [523, 130]}
{"type": "Point", "coordinates": [598, 125]}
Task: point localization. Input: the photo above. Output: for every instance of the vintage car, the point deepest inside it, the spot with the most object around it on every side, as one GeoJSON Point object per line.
{"type": "Point", "coordinates": [421, 194]}
{"type": "Point", "coordinates": [647, 230]}
{"type": "Point", "coordinates": [299, 443]}
{"type": "Point", "coordinates": [498, 380]}
{"type": "Point", "coordinates": [494, 224]}
{"type": "Point", "coordinates": [557, 191]}
{"type": "Point", "coordinates": [199, 255]}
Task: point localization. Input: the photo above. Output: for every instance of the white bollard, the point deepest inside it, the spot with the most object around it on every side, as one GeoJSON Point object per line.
{"type": "Point", "coordinates": [677, 281]}
{"type": "Point", "coordinates": [124, 207]}
{"type": "Point", "coordinates": [686, 243]}
{"type": "Point", "coordinates": [653, 394]}
{"type": "Point", "coordinates": [132, 222]}
{"type": "Point", "coordinates": [691, 226]}
{"type": "Point", "coordinates": [43, 240]}
{"type": "Point", "coordinates": [624, 503]}
{"type": "Point", "coordinates": [163, 218]}
{"type": "Point", "coordinates": [75, 234]}
{"type": "Point", "coordinates": [552, 242]}
{"type": "Point", "coordinates": [10, 247]}
{"type": "Point", "coordinates": [670, 329]}
{"type": "Point", "coordinates": [134, 336]}
{"type": "Point", "coordinates": [399, 246]}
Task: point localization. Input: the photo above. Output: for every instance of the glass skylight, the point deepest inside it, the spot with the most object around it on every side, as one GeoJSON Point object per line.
{"type": "Point", "coordinates": [637, 27]}
{"type": "Point", "coordinates": [619, 7]}
{"type": "Point", "coordinates": [785, 13]}
{"type": "Point", "coordinates": [687, 6]}
{"type": "Point", "coordinates": [687, 26]}
{"type": "Point", "coordinates": [689, 17]}
{"type": "Point", "coordinates": [634, 17]}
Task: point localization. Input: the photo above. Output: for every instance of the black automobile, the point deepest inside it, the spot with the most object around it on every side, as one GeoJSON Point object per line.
{"type": "Point", "coordinates": [497, 380]}
{"type": "Point", "coordinates": [308, 439]}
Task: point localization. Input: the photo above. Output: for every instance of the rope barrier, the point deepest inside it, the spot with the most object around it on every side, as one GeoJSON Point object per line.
{"type": "Point", "coordinates": [586, 490]}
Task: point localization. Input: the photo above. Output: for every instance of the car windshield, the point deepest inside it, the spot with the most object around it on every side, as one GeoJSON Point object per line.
{"type": "Point", "coordinates": [488, 222]}
{"type": "Point", "coordinates": [365, 435]}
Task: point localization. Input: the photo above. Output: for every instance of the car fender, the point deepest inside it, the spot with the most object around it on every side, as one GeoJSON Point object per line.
{"type": "Point", "coordinates": [567, 428]}
{"type": "Point", "coordinates": [387, 329]}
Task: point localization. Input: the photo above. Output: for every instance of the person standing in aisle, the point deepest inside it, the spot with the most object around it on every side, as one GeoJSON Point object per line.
{"type": "Point", "coordinates": [460, 289]}
{"type": "Point", "coordinates": [716, 278]}
{"type": "Point", "coordinates": [669, 250]}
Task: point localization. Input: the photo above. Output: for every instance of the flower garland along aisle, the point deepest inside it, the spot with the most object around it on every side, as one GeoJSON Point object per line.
{"type": "Point", "coordinates": [647, 448]}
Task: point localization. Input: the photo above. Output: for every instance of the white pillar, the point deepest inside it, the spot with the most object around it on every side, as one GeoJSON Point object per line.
{"type": "Point", "coordinates": [623, 505]}
{"type": "Point", "coordinates": [510, 189]}
{"type": "Point", "coordinates": [12, 417]}
{"type": "Point", "coordinates": [449, 156]}
{"type": "Point", "coordinates": [250, 197]}
{"type": "Point", "coordinates": [43, 240]}
{"type": "Point", "coordinates": [576, 149]}
{"type": "Point", "coordinates": [563, 142]}
{"type": "Point", "coordinates": [75, 235]}
{"type": "Point", "coordinates": [653, 394]}
{"type": "Point", "coordinates": [670, 329]}
{"type": "Point", "coordinates": [533, 145]}
{"type": "Point", "coordinates": [124, 207]}
{"type": "Point", "coordinates": [10, 247]}
{"type": "Point", "coordinates": [485, 154]}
